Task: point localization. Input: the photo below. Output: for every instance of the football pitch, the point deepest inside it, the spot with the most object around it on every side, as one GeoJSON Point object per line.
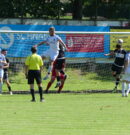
{"type": "Point", "coordinates": [65, 114]}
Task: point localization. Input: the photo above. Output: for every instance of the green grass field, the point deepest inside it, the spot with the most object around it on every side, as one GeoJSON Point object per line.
{"type": "Point", "coordinates": [76, 81]}
{"type": "Point", "coordinates": [65, 114]}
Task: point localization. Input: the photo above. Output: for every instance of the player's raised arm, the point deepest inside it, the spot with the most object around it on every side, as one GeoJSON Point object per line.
{"type": "Point", "coordinates": [43, 42]}
{"type": "Point", "coordinates": [63, 44]}
{"type": "Point", "coordinates": [109, 54]}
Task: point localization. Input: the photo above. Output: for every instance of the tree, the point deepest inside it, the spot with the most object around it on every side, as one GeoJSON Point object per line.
{"type": "Point", "coordinates": [77, 9]}
{"type": "Point", "coordinates": [6, 9]}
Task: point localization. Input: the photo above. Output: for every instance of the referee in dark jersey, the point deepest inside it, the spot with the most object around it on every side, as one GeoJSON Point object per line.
{"type": "Point", "coordinates": [33, 67]}
{"type": "Point", "coordinates": [118, 65]}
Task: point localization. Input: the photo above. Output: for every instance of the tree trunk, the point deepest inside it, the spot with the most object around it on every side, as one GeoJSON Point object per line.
{"type": "Point", "coordinates": [77, 9]}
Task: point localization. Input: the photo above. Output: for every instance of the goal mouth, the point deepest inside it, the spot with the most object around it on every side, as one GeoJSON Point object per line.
{"type": "Point", "coordinates": [85, 61]}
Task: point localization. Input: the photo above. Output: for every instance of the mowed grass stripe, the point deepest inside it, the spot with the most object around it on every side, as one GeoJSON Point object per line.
{"type": "Point", "coordinates": [61, 114]}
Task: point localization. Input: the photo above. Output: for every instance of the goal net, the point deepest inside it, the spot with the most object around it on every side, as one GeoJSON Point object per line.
{"type": "Point", "coordinates": [86, 66]}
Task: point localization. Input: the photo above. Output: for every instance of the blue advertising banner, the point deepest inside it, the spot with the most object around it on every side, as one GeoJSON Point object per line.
{"type": "Point", "coordinates": [79, 45]}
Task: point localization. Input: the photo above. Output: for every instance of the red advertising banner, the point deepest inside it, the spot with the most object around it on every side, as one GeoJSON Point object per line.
{"type": "Point", "coordinates": [85, 42]}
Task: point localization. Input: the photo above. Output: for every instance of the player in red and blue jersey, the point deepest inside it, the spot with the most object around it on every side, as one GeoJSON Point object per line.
{"type": "Point", "coordinates": [62, 77]}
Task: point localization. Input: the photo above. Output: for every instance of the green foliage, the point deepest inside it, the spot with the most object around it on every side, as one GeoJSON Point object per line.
{"type": "Point", "coordinates": [54, 9]}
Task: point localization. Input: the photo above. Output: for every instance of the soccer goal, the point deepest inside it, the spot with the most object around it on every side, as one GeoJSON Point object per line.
{"type": "Point", "coordinates": [86, 66]}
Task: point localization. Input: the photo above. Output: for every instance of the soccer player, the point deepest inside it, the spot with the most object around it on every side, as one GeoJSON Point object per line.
{"type": "Point", "coordinates": [118, 64]}
{"type": "Point", "coordinates": [53, 41]}
{"type": "Point", "coordinates": [2, 63]}
{"type": "Point", "coordinates": [53, 77]}
{"type": "Point", "coordinates": [58, 71]}
{"type": "Point", "coordinates": [126, 77]}
{"type": "Point", "coordinates": [5, 77]}
{"type": "Point", "coordinates": [60, 65]}
{"type": "Point", "coordinates": [33, 67]}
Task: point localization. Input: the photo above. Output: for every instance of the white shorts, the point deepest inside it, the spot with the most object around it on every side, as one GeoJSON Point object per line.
{"type": "Point", "coordinates": [126, 77]}
{"type": "Point", "coordinates": [51, 54]}
{"type": "Point", "coordinates": [1, 73]}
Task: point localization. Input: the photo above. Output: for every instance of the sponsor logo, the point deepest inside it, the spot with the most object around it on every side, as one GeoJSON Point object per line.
{"type": "Point", "coordinates": [6, 39]}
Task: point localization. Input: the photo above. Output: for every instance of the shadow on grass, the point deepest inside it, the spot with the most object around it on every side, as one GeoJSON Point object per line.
{"type": "Point", "coordinates": [93, 71]}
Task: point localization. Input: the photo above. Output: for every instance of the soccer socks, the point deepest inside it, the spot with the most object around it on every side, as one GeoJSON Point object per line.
{"type": "Point", "coordinates": [1, 87]}
{"type": "Point", "coordinates": [128, 89]}
{"type": "Point", "coordinates": [33, 94]}
{"type": "Point", "coordinates": [60, 88]}
{"type": "Point", "coordinates": [123, 88]}
{"type": "Point", "coordinates": [48, 73]}
{"type": "Point", "coordinates": [40, 92]}
{"type": "Point", "coordinates": [117, 81]}
{"type": "Point", "coordinates": [58, 78]}
{"type": "Point", "coordinates": [9, 88]}
{"type": "Point", "coordinates": [48, 86]}
{"type": "Point", "coordinates": [50, 69]}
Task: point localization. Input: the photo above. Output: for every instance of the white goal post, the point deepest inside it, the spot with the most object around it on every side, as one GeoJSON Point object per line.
{"type": "Point", "coordinates": [85, 49]}
{"type": "Point", "coordinates": [62, 32]}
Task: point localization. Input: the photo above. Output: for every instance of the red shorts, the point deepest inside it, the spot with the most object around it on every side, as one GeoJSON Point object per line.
{"type": "Point", "coordinates": [54, 74]}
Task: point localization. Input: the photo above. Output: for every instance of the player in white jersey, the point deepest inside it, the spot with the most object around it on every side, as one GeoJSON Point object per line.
{"type": "Point", "coordinates": [126, 77]}
{"type": "Point", "coordinates": [53, 41]}
{"type": "Point", "coordinates": [2, 63]}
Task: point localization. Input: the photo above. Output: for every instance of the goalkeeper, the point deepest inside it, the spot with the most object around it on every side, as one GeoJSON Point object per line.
{"type": "Point", "coordinates": [53, 41]}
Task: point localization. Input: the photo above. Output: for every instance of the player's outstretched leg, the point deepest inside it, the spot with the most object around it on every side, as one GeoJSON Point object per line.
{"type": "Point", "coordinates": [47, 76]}
{"type": "Point", "coordinates": [48, 86]}
{"type": "Point", "coordinates": [49, 70]}
{"type": "Point", "coordinates": [116, 84]}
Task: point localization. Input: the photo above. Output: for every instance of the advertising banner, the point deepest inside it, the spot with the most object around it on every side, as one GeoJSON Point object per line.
{"type": "Point", "coordinates": [79, 45]}
{"type": "Point", "coordinates": [85, 42]}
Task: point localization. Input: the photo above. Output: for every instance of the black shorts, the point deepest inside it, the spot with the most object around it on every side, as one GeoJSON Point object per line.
{"type": "Point", "coordinates": [5, 77]}
{"type": "Point", "coordinates": [60, 64]}
{"type": "Point", "coordinates": [34, 75]}
{"type": "Point", "coordinates": [116, 69]}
